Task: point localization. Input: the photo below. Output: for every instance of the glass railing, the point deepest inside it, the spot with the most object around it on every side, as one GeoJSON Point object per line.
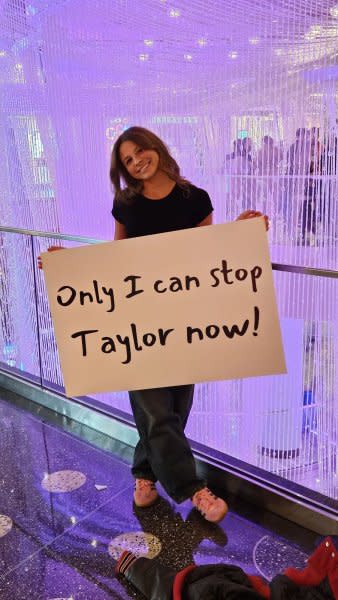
{"type": "Point", "coordinates": [280, 429]}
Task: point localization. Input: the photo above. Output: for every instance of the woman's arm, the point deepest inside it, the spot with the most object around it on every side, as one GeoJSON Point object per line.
{"type": "Point", "coordinates": [120, 234]}
{"type": "Point", "coordinates": [206, 221]}
{"type": "Point", "coordinates": [247, 214]}
{"type": "Point", "coordinates": [120, 231]}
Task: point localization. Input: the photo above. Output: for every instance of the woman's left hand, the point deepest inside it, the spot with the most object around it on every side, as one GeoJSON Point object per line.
{"type": "Point", "coordinates": [252, 214]}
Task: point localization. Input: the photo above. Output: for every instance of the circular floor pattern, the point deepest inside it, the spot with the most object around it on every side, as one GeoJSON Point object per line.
{"type": "Point", "coordinates": [272, 556]}
{"type": "Point", "coordinates": [6, 524]}
{"type": "Point", "coordinates": [139, 543]}
{"type": "Point", "coordinates": [63, 481]}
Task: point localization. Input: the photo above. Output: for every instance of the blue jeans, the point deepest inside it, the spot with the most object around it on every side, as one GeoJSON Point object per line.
{"type": "Point", "coordinates": [163, 452]}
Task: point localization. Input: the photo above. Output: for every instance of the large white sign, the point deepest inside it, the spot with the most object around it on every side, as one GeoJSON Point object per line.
{"type": "Point", "coordinates": [166, 309]}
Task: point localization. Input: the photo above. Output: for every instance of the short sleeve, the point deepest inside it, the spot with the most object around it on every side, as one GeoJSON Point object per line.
{"type": "Point", "coordinates": [202, 206]}
{"type": "Point", "coordinates": [119, 212]}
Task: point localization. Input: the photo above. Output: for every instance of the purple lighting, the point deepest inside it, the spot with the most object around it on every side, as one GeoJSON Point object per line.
{"type": "Point", "coordinates": [245, 95]}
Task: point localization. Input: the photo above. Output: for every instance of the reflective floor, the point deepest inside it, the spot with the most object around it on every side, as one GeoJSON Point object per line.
{"type": "Point", "coordinates": [66, 513]}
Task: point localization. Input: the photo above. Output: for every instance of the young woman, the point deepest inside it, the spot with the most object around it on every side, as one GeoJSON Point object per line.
{"type": "Point", "coordinates": [152, 197]}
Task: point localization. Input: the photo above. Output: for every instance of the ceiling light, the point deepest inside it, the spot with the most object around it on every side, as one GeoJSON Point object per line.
{"type": "Point", "coordinates": [254, 40]}
{"type": "Point", "coordinates": [143, 57]}
{"type": "Point", "coordinates": [314, 31]}
{"type": "Point", "coordinates": [202, 42]}
{"type": "Point", "coordinates": [30, 10]}
{"type": "Point", "coordinates": [334, 11]}
{"type": "Point", "coordinates": [174, 12]}
{"type": "Point", "coordinates": [187, 57]}
{"type": "Point", "coordinates": [148, 43]}
{"type": "Point", "coordinates": [233, 54]}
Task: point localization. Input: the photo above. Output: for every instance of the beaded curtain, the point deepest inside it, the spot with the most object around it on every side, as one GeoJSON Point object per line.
{"type": "Point", "coordinates": [245, 95]}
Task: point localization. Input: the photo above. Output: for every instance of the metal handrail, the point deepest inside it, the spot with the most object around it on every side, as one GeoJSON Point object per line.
{"type": "Point", "coordinates": [76, 238]}
{"type": "Point", "coordinates": [50, 234]}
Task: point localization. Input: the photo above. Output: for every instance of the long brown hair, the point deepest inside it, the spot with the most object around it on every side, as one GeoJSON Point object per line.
{"type": "Point", "coordinates": [149, 141]}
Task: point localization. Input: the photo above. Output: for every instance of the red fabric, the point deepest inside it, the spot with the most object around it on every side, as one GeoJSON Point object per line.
{"type": "Point", "coordinates": [322, 563]}
{"type": "Point", "coordinates": [179, 581]}
{"type": "Point", "coordinates": [120, 561]}
{"type": "Point", "coordinates": [259, 586]}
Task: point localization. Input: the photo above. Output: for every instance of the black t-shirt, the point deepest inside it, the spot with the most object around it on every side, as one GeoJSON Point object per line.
{"type": "Point", "coordinates": [181, 209]}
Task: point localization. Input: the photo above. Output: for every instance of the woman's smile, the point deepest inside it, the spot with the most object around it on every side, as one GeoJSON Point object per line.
{"type": "Point", "coordinates": [144, 167]}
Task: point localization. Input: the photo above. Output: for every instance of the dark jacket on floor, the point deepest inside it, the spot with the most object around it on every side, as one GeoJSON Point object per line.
{"type": "Point", "coordinates": [318, 581]}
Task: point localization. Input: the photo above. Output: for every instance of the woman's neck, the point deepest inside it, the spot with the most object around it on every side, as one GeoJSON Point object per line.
{"type": "Point", "coordinates": [158, 186]}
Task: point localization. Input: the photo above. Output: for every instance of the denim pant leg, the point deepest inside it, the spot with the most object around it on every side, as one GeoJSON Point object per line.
{"type": "Point", "coordinates": [163, 452]}
{"type": "Point", "coordinates": [182, 403]}
{"type": "Point", "coordinates": [141, 468]}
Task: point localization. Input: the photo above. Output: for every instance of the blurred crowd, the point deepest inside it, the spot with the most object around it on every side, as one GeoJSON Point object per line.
{"type": "Point", "coordinates": [297, 186]}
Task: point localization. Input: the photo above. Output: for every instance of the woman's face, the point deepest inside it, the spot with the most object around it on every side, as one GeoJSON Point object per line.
{"type": "Point", "coordinates": [140, 163]}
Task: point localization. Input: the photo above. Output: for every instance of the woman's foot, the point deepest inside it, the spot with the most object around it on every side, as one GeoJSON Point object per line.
{"type": "Point", "coordinates": [213, 509]}
{"type": "Point", "coordinates": [145, 493]}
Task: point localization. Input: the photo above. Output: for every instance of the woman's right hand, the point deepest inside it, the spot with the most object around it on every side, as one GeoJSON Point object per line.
{"type": "Point", "coordinates": [50, 249]}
